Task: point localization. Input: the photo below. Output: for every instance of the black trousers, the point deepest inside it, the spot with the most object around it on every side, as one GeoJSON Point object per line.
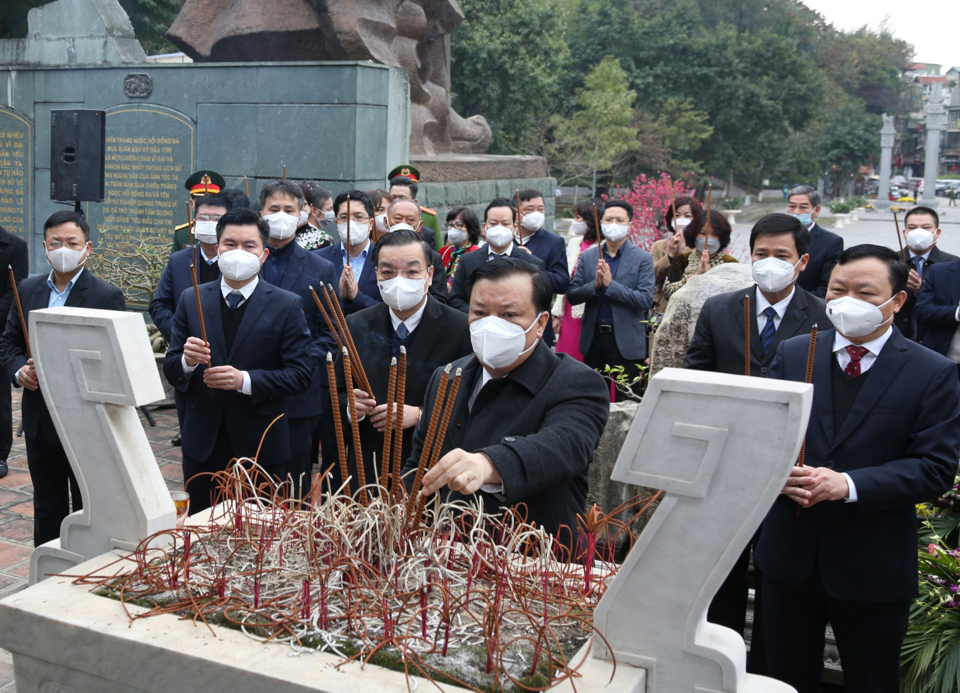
{"type": "Point", "coordinates": [53, 486]}
{"type": "Point", "coordinates": [302, 456]}
{"type": "Point", "coordinates": [603, 351]}
{"type": "Point", "coordinates": [869, 636]}
{"type": "Point", "coordinates": [6, 419]}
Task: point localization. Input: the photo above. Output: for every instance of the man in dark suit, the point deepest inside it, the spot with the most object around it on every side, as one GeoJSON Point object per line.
{"type": "Point", "coordinates": [884, 435]}
{"type": "Point", "coordinates": [526, 420]}
{"type": "Point", "coordinates": [66, 240]}
{"type": "Point", "coordinates": [618, 292]}
{"type": "Point", "coordinates": [937, 310]}
{"type": "Point", "coordinates": [432, 333]}
{"type": "Point", "coordinates": [176, 277]}
{"type": "Point", "coordinates": [779, 310]}
{"type": "Point", "coordinates": [294, 269]}
{"type": "Point", "coordinates": [543, 243]}
{"type": "Point", "coordinates": [499, 223]}
{"type": "Point", "coordinates": [13, 254]}
{"type": "Point", "coordinates": [803, 202]}
{"type": "Point", "coordinates": [921, 227]}
{"type": "Point", "coordinates": [404, 214]}
{"type": "Point", "coordinates": [260, 349]}
{"type": "Point", "coordinates": [358, 286]}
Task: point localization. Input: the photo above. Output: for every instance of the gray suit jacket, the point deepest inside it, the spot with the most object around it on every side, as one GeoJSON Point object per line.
{"type": "Point", "coordinates": [632, 294]}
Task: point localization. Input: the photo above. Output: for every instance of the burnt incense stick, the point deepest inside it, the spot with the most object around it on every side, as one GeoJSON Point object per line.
{"type": "Point", "coordinates": [337, 424]}
{"type": "Point", "coordinates": [352, 409]}
{"type": "Point", "coordinates": [16, 298]}
{"type": "Point", "coordinates": [746, 332]}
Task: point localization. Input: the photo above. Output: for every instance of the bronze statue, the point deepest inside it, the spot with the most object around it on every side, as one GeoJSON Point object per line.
{"type": "Point", "coordinates": [412, 34]}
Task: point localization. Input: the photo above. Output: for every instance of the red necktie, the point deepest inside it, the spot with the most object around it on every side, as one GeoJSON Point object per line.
{"type": "Point", "coordinates": [856, 353]}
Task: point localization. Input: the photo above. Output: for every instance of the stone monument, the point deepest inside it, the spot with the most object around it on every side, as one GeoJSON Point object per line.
{"type": "Point", "coordinates": [411, 34]}
{"type": "Point", "coordinates": [887, 140]}
{"type": "Point", "coordinates": [96, 367]}
{"type": "Point", "coordinates": [936, 124]}
{"type": "Point", "coordinates": [693, 437]}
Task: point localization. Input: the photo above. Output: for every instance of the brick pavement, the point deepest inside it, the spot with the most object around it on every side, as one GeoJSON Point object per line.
{"type": "Point", "coordinates": [16, 508]}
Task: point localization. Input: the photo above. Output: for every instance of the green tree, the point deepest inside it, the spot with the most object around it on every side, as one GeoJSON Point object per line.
{"type": "Point", "coordinates": [849, 141]}
{"type": "Point", "coordinates": [600, 132]}
{"type": "Point", "coordinates": [507, 57]}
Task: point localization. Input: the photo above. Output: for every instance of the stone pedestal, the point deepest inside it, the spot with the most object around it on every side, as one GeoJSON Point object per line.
{"type": "Point", "coordinates": [936, 124]}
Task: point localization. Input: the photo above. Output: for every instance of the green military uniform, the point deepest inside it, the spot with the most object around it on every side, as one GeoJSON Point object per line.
{"type": "Point", "coordinates": [198, 184]}
{"type": "Point", "coordinates": [428, 217]}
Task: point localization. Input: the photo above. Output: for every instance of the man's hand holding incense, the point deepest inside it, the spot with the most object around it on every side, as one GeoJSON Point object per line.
{"type": "Point", "coordinates": [28, 376]}
{"type": "Point", "coordinates": [810, 485]}
{"type": "Point", "coordinates": [195, 352]}
{"type": "Point", "coordinates": [461, 471]}
{"type": "Point", "coordinates": [366, 404]}
{"type": "Point", "coordinates": [348, 284]}
{"type": "Point", "coordinates": [223, 378]}
{"type": "Point", "coordinates": [378, 416]}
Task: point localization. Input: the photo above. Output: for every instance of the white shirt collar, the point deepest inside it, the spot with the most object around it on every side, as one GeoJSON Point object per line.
{"type": "Point", "coordinates": [412, 322]}
{"type": "Point", "coordinates": [363, 253]}
{"type": "Point", "coordinates": [780, 307]}
{"type": "Point", "coordinates": [925, 256]}
{"type": "Point", "coordinates": [245, 291]}
{"type": "Point", "coordinates": [215, 257]}
{"type": "Point", "coordinates": [505, 253]}
{"type": "Point", "coordinates": [874, 346]}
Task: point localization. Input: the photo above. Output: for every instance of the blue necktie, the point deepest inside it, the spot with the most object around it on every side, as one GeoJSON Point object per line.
{"type": "Point", "coordinates": [402, 331]}
{"type": "Point", "coordinates": [234, 299]}
{"type": "Point", "coordinates": [766, 336]}
{"type": "Point", "coordinates": [918, 263]}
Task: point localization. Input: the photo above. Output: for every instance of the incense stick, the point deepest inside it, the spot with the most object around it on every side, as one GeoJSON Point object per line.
{"type": "Point", "coordinates": [196, 295]}
{"type": "Point", "coordinates": [348, 340]}
{"type": "Point", "coordinates": [352, 409]}
{"type": "Point", "coordinates": [16, 298]}
{"type": "Point", "coordinates": [386, 458]}
{"type": "Point", "coordinates": [438, 443]}
{"type": "Point", "coordinates": [326, 317]}
{"type": "Point", "coordinates": [519, 218]}
{"type": "Point", "coordinates": [337, 424]}
{"type": "Point", "coordinates": [746, 332]}
{"type": "Point", "coordinates": [401, 395]}
{"type": "Point", "coordinates": [903, 255]}
{"type": "Point", "coordinates": [808, 379]}
{"type": "Point", "coordinates": [427, 449]}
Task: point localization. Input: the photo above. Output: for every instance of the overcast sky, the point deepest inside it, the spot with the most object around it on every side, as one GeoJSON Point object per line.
{"type": "Point", "coordinates": [932, 26]}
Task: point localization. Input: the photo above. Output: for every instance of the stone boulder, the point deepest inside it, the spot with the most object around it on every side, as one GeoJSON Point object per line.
{"type": "Point", "coordinates": [673, 336]}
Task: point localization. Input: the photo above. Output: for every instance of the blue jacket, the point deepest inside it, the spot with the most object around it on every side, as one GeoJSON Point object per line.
{"type": "Point", "coordinates": [272, 344]}
{"type": "Point", "coordinates": [936, 308]}
{"type": "Point", "coordinates": [175, 278]}
{"type": "Point", "coordinates": [550, 248]}
{"type": "Point", "coordinates": [308, 269]}
{"type": "Point", "coordinates": [368, 293]}
{"type": "Point", "coordinates": [632, 294]}
{"type": "Point", "coordinates": [899, 444]}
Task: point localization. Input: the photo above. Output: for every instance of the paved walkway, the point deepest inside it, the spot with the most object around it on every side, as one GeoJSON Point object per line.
{"type": "Point", "coordinates": [16, 509]}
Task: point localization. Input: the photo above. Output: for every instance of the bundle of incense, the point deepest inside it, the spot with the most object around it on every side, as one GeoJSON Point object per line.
{"type": "Point", "coordinates": [196, 295]}
{"type": "Point", "coordinates": [360, 376]}
{"type": "Point", "coordinates": [326, 318]}
{"type": "Point", "coordinates": [432, 444]}
{"type": "Point", "coordinates": [397, 489]}
{"type": "Point", "coordinates": [386, 459]}
{"type": "Point", "coordinates": [519, 225]}
{"type": "Point", "coordinates": [896, 222]}
{"type": "Point", "coordinates": [438, 443]}
{"type": "Point", "coordinates": [337, 424]}
{"type": "Point", "coordinates": [352, 409]}
{"type": "Point", "coordinates": [746, 332]}
{"type": "Point", "coordinates": [16, 298]}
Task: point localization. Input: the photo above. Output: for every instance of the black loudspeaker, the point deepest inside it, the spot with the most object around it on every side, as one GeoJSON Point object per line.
{"type": "Point", "coordinates": [77, 147]}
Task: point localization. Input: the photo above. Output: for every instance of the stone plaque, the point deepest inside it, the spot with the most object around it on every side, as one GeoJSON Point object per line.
{"type": "Point", "coordinates": [149, 154]}
{"type": "Point", "coordinates": [16, 172]}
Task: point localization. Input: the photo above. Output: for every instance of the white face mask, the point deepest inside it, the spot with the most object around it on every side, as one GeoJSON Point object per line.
{"type": "Point", "coordinates": [238, 265]}
{"type": "Point", "coordinates": [773, 274]}
{"type": "Point", "coordinates": [329, 216]}
{"type": "Point", "coordinates": [401, 293]}
{"type": "Point", "coordinates": [578, 227]}
{"type": "Point", "coordinates": [65, 259]}
{"type": "Point", "coordinates": [401, 225]}
{"type": "Point", "coordinates": [855, 318]}
{"type": "Point", "coordinates": [615, 232]}
{"type": "Point", "coordinates": [920, 240]}
{"type": "Point", "coordinates": [206, 232]}
{"type": "Point", "coordinates": [499, 236]}
{"type": "Point", "coordinates": [304, 217]}
{"type": "Point", "coordinates": [498, 342]}
{"type": "Point", "coordinates": [456, 237]}
{"type": "Point", "coordinates": [359, 233]}
{"type": "Point", "coordinates": [713, 245]}
{"type": "Point", "coordinates": [282, 225]}
{"type": "Point", "coordinates": [382, 223]}
{"type": "Point", "coordinates": [533, 221]}
{"type": "Point", "coordinates": [682, 223]}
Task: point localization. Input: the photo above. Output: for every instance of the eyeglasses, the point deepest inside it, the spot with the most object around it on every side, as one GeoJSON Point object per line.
{"type": "Point", "coordinates": [357, 216]}
{"type": "Point", "coordinates": [56, 245]}
{"type": "Point", "coordinates": [390, 273]}
{"type": "Point", "coordinates": [209, 217]}
{"type": "Point", "coordinates": [458, 225]}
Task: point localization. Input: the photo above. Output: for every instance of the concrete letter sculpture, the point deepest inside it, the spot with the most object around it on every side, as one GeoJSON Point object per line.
{"type": "Point", "coordinates": [95, 367]}
{"type": "Point", "coordinates": [721, 446]}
